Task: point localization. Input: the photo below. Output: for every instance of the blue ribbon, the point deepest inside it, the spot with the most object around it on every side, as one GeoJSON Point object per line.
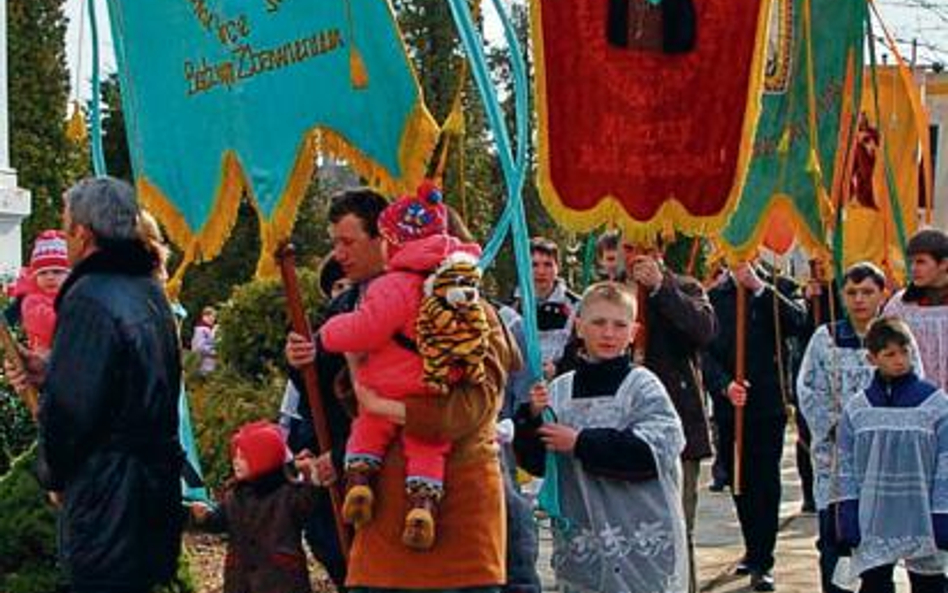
{"type": "Point", "coordinates": [514, 167]}
{"type": "Point", "coordinates": [98, 154]}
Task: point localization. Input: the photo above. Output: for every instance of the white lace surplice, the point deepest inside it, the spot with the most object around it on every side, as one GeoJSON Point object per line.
{"type": "Point", "coordinates": [895, 462]}
{"type": "Point", "coordinates": [930, 327]}
{"type": "Point", "coordinates": [622, 537]}
{"type": "Point", "coordinates": [829, 377]}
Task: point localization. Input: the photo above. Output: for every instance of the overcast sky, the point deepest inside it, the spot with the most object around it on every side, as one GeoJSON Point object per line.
{"type": "Point", "coordinates": [925, 20]}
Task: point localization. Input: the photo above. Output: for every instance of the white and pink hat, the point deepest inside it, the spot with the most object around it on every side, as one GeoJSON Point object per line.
{"type": "Point", "coordinates": [49, 251]}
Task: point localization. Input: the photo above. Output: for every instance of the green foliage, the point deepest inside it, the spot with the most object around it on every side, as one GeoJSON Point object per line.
{"type": "Point", "coordinates": [252, 325]}
{"type": "Point", "coordinates": [27, 533]}
{"type": "Point", "coordinates": [47, 163]}
{"type": "Point", "coordinates": [118, 162]}
{"type": "Point", "coordinates": [220, 403]}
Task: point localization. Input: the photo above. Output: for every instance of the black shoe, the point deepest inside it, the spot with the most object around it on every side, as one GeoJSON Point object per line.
{"type": "Point", "coordinates": [716, 486]}
{"type": "Point", "coordinates": [808, 508]}
{"type": "Point", "coordinates": [762, 581]}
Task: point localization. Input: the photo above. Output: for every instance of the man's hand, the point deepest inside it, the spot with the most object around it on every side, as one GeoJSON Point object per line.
{"type": "Point", "coordinates": [558, 437]}
{"type": "Point", "coordinates": [299, 351]}
{"type": "Point", "coordinates": [737, 393]}
{"type": "Point", "coordinates": [318, 470]}
{"type": "Point", "coordinates": [373, 403]}
{"type": "Point", "coordinates": [200, 512]}
{"type": "Point", "coordinates": [814, 288]}
{"type": "Point", "coordinates": [647, 272]}
{"type": "Point", "coordinates": [539, 399]}
{"type": "Point", "coordinates": [32, 374]}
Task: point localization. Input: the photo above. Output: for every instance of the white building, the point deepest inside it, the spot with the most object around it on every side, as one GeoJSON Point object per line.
{"type": "Point", "coordinates": [935, 96]}
{"type": "Point", "coordinates": [14, 201]}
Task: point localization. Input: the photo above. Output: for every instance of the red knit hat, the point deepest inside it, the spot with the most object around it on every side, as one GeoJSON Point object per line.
{"type": "Point", "coordinates": [415, 217]}
{"type": "Point", "coordinates": [49, 251]}
{"type": "Point", "coordinates": [261, 444]}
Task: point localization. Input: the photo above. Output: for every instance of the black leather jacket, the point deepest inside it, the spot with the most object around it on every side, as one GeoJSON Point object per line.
{"type": "Point", "coordinates": [109, 422]}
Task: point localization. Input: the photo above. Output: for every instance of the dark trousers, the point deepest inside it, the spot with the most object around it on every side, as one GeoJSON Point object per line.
{"type": "Point", "coordinates": [804, 461]}
{"type": "Point", "coordinates": [758, 505]}
{"type": "Point", "coordinates": [826, 544]}
{"type": "Point", "coordinates": [522, 544]}
{"type": "Point", "coordinates": [320, 534]}
{"type": "Point", "coordinates": [720, 472]}
{"type": "Point", "coordinates": [879, 580]}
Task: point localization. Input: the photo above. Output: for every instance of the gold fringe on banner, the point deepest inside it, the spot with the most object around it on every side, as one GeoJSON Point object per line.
{"type": "Point", "coordinates": [418, 141]}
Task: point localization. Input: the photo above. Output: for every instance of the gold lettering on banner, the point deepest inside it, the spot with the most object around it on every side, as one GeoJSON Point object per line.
{"type": "Point", "coordinates": [247, 61]}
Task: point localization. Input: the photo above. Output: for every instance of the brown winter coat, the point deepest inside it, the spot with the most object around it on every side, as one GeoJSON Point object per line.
{"type": "Point", "coordinates": [470, 546]}
{"type": "Point", "coordinates": [264, 520]}
{"type": "Point", "coordinates": [681, 322]}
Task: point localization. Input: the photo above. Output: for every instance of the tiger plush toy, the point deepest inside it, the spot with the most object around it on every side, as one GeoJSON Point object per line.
{"type": "Point", "coordinates": [452, 325]}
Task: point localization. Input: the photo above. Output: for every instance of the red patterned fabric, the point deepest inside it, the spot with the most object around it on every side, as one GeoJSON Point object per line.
{"type": "Point", "coordinates": [637, 123]}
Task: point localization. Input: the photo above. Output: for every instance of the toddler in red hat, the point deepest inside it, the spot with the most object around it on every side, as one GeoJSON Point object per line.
{"type": "Point", "coordinates": [49, 266]}
{"type": "Point", "coordinates": [263, 512]}
{"type": "Point", "coordinates": [383, 330]}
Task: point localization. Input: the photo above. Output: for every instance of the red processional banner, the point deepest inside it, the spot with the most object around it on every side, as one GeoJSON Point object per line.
{"type": "Point", "coordinates": [647, 109]}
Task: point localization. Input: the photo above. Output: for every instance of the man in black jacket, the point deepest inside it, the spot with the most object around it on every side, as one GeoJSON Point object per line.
{"type": "Point", "coordinates": [764, 407]}
{"type": "Point", "coordinates": [108, 419]}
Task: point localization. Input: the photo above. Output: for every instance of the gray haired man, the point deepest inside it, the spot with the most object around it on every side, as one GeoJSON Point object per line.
{"type": "Point", "coordinates": [108, 417]}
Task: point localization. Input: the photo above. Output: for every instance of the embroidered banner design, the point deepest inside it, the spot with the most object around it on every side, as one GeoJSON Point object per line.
{"type": "Point", "coordinates": [899, 133]}
{"type": "Point", "coordinates": [637, 128]}
{"type": "Point", "coordinates": [227, 96]}
{"type": "Point", "coordinates": [812, 95]}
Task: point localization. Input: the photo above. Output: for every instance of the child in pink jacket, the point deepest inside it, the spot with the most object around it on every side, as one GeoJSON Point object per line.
{"type": "Point", "coordinates": [49, 266]}
{"type": "Point", "coordinates": [415, 242]}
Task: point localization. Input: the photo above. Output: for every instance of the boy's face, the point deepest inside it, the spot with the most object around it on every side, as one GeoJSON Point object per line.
{"type": "Point", "coordinates": [606, 328]}
{"type": "Point", "coordinates": [862, 299]}
{"type": "Point", "coordinates": [892, 361]}
{"type": "Point", "coordinates": [545, 272]}
{"type": "Point", "coordinates": [50, 279]}
{"type": "Point", "coordinates": [241, 467]}
{"type": "Point", "coordinates": [928, 271]}
{"type": "Point", "coordinates": [609, 262]}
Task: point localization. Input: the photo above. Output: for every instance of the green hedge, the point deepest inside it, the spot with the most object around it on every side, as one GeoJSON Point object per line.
{"type": "Point", "coordinates": [27, 533]}
{"type": "Point", "coordinates": [253, 323]}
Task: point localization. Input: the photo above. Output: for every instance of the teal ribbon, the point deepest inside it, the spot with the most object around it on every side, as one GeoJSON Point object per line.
{"type": "Point", "coordinates": [514, 166]}
{"type": "Point", "coordinates": [549, 496]}
{"type": "Point", "coordinates": [186, 436]}
{"type": "Point", "coordinates": [98, 153]}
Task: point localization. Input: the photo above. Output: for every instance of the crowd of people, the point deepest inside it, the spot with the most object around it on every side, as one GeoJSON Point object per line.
{"type": "Point", "coordinates": [639, 384]}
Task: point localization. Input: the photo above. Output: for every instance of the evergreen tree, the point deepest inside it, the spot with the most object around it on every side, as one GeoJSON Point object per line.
{"type": "Point", "coordinates": [118, 162]}
{"type": "Point", "coordinates": [46, 161]}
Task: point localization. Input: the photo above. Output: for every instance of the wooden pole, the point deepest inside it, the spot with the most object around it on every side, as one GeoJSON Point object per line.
{"type": "Point", "coordinates": [816, 303]}
{"type": "Point", "coordinates": [286, 256]}
{"type": "Point", "coordinates": [739, 377]}
{"type": "Point", "coordinates": [641, 336]}
{"type": "Point", "coordinates": [12, 354]}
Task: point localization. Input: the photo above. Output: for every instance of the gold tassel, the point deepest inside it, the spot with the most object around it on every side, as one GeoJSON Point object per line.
{"type": "Point", "coordinates": [76, 129]}
{"type": "Point", "coordinates": [357, 71]}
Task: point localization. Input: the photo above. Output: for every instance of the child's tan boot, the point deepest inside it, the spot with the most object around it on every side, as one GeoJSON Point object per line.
{"type": "Point", "coordinates": [357, 506]}
{"type": "Point", "coordinates": [423, 498]}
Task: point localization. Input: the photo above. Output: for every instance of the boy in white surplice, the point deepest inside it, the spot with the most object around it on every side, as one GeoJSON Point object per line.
{"type": "Point", "coordinates": [893, 471]}
{"type": "Point", "coordinates": [609, 451]}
